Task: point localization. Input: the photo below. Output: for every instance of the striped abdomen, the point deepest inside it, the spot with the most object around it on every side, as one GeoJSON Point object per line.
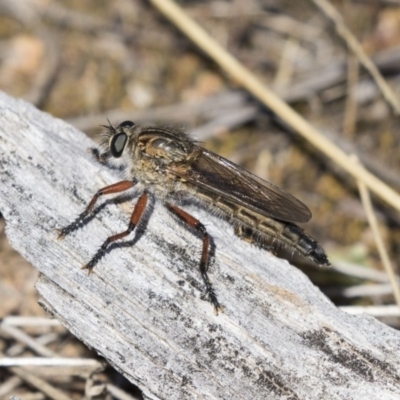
{"type": "Point", "coordinates": [261, 230]}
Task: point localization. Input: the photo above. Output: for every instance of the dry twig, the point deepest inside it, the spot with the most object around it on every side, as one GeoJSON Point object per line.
{"type": "Point", "coordinates": [353, 44]}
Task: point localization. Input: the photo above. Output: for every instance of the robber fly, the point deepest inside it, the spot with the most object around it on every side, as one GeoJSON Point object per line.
{"type": "Point", "coordinates": [169, 166]}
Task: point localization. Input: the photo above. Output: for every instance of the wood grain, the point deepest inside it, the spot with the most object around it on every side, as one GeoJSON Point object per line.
{"type": "Point", "coordinates": [143, 308]}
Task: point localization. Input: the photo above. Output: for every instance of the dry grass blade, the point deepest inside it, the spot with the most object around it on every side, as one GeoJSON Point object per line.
{"type": "Point", "coordinates": [356, 48]}
{"type": "Point", "coordinates": [120, 394]}
{"type": "Point", "coordinates": [366, 200]}
{"type": "Point", "coordinates": [27, 340]}
{"type": "Point", "coordinates": [39, 383]}
{"type": "Point", "coordinates": [86, 363]}
{"type": "Point", "coordinates": [359, 272]}
{"type": "Point", "coordinates": [29, 321]}
{"type": "Point", "coordinates": [375, 311]}
{"type": "Point", "coordinates": [242, 75]}
{"type": "Point", "coordinates": [350, 116]}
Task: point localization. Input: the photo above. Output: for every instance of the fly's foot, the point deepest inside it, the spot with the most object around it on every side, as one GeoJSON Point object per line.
{"type": "Point", "coordinates": [78, 223]}
{"type": "Point", "coordinates": [65, 231]}
{"type": "Point", "coordinates": [60, 234]}
{"type": "Point", "coordinates": [218, 309]}
{"type": "Point", "coordinates": [95, 259]}
{"type": "Point", "coordinates": [89, 267]}
{"type": "Point", "coordinates": [213, 298]}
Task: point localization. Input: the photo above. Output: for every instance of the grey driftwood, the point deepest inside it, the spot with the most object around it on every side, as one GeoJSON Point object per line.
{"type": "Point", "coordinates": [142, 309]}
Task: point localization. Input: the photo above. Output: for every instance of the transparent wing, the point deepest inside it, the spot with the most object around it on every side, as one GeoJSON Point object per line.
{"type": "Point", "coordinates": [220, 176]}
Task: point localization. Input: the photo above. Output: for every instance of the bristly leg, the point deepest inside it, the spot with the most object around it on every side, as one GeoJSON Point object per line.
{"type": "Point", "coordinates": [205, 255]}
{"type": "Point", "coordinates": [115, 188]}
{"type": "Point", "coordinates": [100, 157]}
{"type": "Point", "coordinates": [137, 213]}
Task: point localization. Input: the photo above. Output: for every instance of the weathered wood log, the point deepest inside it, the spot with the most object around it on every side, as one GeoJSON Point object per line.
{"type": "Point", "coordinates": [143, 307]}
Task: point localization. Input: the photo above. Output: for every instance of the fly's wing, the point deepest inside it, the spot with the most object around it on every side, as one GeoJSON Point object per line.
{"type": "Point", "coordinates": [220, 176]}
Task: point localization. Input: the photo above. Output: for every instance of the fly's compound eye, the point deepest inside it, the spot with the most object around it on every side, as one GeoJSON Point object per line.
{"type": "Point", "coordinates": [127, 124]}
{"type": "Point", "coordinates": [117, 144]}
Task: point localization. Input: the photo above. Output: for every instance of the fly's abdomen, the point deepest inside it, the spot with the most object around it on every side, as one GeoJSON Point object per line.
{"type": "Point", "coordinates": [264, 231]}
{"type": "Point", "coordinates": [304, 244]}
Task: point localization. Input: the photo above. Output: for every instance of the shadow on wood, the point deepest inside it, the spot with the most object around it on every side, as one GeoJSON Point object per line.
{"type": "Point", "coordinates": [143, 307]}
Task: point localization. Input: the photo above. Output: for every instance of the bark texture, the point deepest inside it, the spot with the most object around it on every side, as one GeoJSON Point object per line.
{"type": "Point", "coordinates": [143, 308]}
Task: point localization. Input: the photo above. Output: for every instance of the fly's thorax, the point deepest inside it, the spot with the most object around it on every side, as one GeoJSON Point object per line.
{"type": "Point", "coordinates": [164, 145]}
{"type": "Point", "coordinates": [149, 172]}
{"type": "Point", "coordinates": [153, 153]}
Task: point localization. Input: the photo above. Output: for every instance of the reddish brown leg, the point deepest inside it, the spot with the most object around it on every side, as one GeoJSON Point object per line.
{"type": "Point", "coordinates": [135, 218]}
{"type": "Point", "coordinates": [205, 255]}
{"type": "Point", "coordinates": [115, 188]}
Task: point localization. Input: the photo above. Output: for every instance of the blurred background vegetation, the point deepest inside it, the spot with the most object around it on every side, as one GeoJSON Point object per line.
{"type": "Point", "coordinates": [85, 61]}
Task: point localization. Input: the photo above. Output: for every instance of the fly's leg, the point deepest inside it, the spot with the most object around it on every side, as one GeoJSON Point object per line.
{"type": "Point", "coordinates": [115, 188]}
{"type": "Point", "coordinates": [102, 158]}
{"type": "Point", "coordinates": [137, 213]}
{"type": "Point", "coordinates": [205, 255]}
